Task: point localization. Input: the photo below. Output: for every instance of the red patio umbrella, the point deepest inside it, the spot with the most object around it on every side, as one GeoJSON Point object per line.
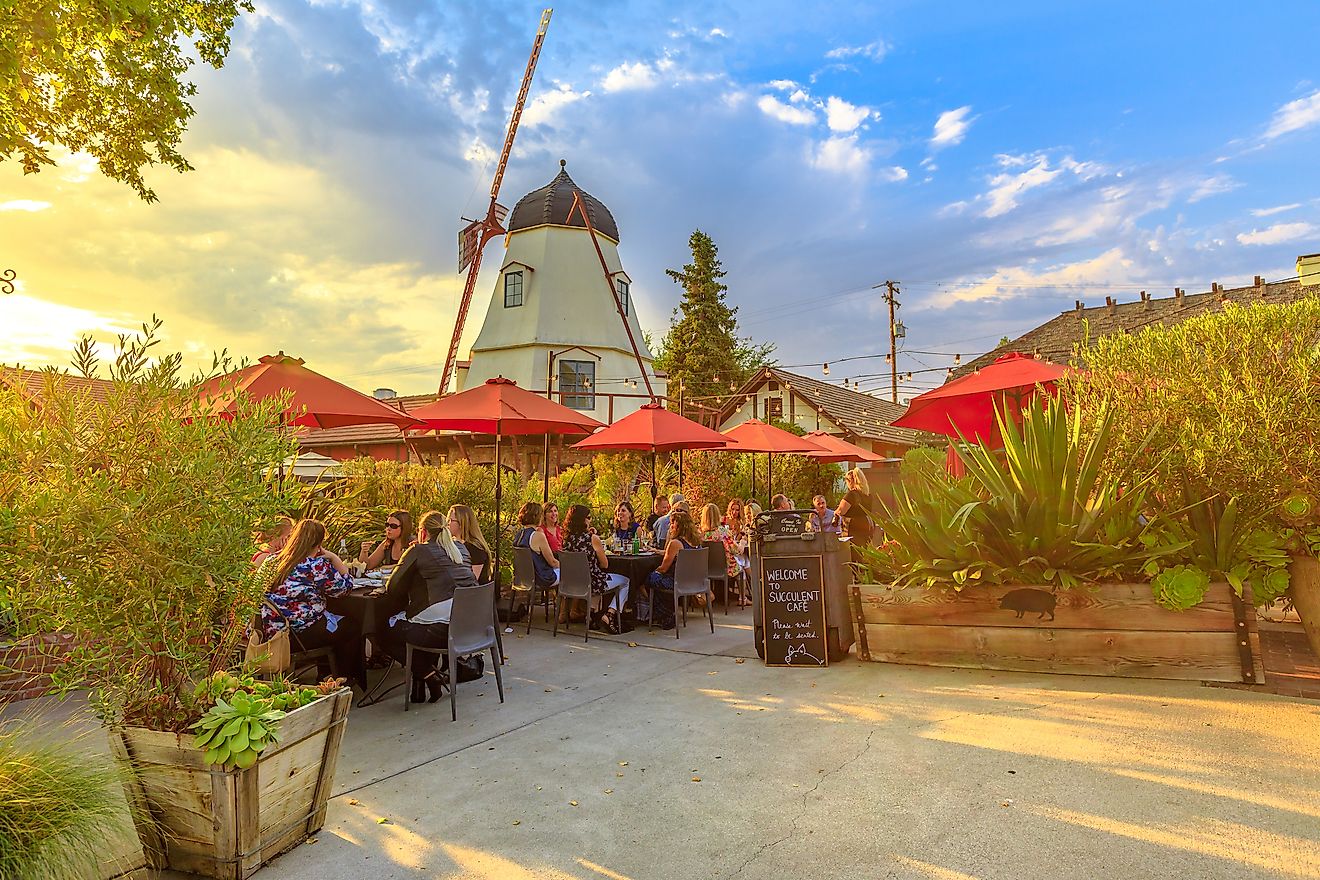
{"type": "Point", "coordinates": [966, 407]}
{"type": "Point", "coordinates": [317, 401]}
{"type": "Point", "coordinates": [836, 449]}
{"type": "Point", "coordinates": [499, 407]}
{"type": "Point", "coordinates": [653, 429]}
{"type": "Point", "coordinates": [755, 435]}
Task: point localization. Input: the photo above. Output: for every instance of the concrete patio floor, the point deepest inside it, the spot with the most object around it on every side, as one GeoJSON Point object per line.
{"type": "Point", "coordinates": [591, 768]}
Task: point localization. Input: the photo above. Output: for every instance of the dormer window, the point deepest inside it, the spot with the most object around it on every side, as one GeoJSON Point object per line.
{"type": "Point", "coordinates": [513, 289]}
{"type": "Point", "coordinates": [621, 287]}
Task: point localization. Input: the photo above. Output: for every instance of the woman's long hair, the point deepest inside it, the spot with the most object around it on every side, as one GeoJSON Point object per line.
{"type": "Point", "coordinates": [625, 505]}
{"type": "Point", "coordinates": [576, 523]}
{"type": "Point", "coordinates": [734, 511]}
{"type": "Point", "coordinates": [710, 518]}
{"type": "Point", "coordinates": [681, 526]}
{"type": "Point", "coordinates": [308, 535]}
{"type": "Point", "coordinates": [436, 525]}
{"type": "Point", "coordinates": [855, 479]}
{"type": "Point", "coordinates": [467, 523]}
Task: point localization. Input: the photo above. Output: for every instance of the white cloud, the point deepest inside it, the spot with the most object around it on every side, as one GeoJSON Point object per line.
{"type": "Point", "coordinates": [546, 104]}
{"type": "Point", "coordinates": [1277, 234]}
{"type": "Point", "coordinates": [1295, 116]}
{"type": "Point", "coordinates": [1213, 186]}
{"type": "Point", "coordinates": [1278, 209]}
{"type": "Point", "coordinates": [479, 153]}
{"type": "Point", "coordinates": [842, 155]}
{"type": "Point", "coordinates": [784, 85]}
{"type": "Point", "coordinates": [1110, 267]}
{"type": "Point", "coordinates": [718, 32]}
{"type": "Point", "coordinates": [777, 109]}
{"type": "Point", "coordinates": [24, 205]}
{"type": "Point", "coordinates": [799, 97]}
{"type": "Point", "coordinates": [844, 117]}
{"type": "Point", "coordinates": [875, 51]}
{"type": "Point", "coordinates": [629, 75]}
{"type": "Point", "coordinates": [951, 127]}
{"type": "Point", "coordinates": [1007, 187]}
{"type": "Point", "coordinates": [894, 173]}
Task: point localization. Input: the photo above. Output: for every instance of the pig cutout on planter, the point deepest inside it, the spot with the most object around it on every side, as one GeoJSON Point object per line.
{"type": "Point", "coordinates": [1022, 601]}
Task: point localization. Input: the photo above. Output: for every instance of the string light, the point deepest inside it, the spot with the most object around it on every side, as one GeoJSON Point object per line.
{"type": "Point", "coordinates": [825, 368]}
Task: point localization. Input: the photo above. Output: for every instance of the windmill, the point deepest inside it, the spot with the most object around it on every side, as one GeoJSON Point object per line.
{"type": "Point", "coordinates": [474, 236]}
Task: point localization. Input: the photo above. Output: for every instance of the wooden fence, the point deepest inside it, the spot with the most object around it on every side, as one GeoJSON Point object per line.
{"type": "Point", "coordinates": [1110, 629]}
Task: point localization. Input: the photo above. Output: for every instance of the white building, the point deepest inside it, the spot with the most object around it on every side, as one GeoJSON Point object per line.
{"type": "Point", "coordinates": [551, 314]}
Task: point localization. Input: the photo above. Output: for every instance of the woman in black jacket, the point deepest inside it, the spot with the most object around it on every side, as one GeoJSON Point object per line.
{"type": "Point", "coordinates": [422, 589]}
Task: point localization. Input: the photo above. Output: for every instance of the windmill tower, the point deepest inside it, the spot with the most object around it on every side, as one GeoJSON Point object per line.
{"type": "Point", "coordinates": [550, 315]}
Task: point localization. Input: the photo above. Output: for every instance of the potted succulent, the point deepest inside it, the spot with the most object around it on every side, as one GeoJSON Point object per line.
{"type": "Point", "coordinates": [146, 507]}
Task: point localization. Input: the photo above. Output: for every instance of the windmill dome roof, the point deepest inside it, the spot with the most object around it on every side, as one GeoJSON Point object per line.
{"type": "Point", "coordinates": [549, 206]}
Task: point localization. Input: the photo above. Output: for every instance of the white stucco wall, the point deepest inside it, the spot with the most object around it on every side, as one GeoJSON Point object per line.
{"type": "Point", "coordinates": [566, 303]}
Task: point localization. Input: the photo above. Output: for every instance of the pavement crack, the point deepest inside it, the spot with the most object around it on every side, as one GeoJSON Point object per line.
{"type": "Point", "coordinates": [793, 828]}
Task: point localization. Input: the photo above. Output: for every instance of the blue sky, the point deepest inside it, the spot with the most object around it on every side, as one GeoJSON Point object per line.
{"type": "Point", "coordinates": [998, 160]}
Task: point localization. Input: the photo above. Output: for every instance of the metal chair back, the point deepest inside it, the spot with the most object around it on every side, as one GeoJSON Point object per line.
{"type": "Point", "coordinates": [574, 575]}
{"type": "Point", "coordinates": [691, 569]}
{"type": "Point", "coordinates": [471, 623]}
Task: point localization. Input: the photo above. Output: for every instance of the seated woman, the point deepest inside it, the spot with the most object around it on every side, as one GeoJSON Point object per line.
{"type": "Point", "coordinates": [554, 534]}
{"type": "Point", "coordinates": [271, 542]}
{"type": "Point", "coordinates": [713, 529]}
{"type": "Point", "coordinates": [738, 526]}
{"type": "Point", "coordinates": [625, 524]}
{"type": "Point", "coordinates": [398, 538]}
{"type": "Point", "coordinates": [466, 530]}
{"type": "Point", "coordinates": [422, 588]}
{"type": "Point", "coordinates": [544, 562]}
{"type": "Point", "coordinates": [579, 538]}
{"type": "Point", "coordinates": [299, 580]}
{"type": "Point", "coordinates": [682, 536]}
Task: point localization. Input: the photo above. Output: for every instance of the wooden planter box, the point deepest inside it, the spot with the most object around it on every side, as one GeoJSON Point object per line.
{"type": "Point", "coordinates": [1111, 629]}
{"type": "Point", "coordinates": [197, 818]}
{"type": "Point", "coordinates": [26, 665]}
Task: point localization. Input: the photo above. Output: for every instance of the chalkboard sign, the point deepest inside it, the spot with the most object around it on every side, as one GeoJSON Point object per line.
{"type": "Point", "coordinates": [793, 611]}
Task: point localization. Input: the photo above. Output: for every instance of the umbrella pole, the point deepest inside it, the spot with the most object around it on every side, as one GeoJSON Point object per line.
{"type": "Point", "coordinates": [753, 476]}
{"type": "Point", "coordinates": [654, 488]}
{"type": "Point", "coordinates": [680, 470]}
{"type": "Point", "coordinates": [545, 467]}
{"type": "Point", "coordinates": [499, 494]}
{"type": "Point", "coordinates": [769, 475]}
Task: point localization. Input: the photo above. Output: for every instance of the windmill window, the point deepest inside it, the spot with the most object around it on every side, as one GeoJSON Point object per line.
{"type": "Point", "coordinates": [622, 287]}
{"type": "Point", "coordinates": [576, 381]}
{"type": "Point", "coordinates": [513, 289]}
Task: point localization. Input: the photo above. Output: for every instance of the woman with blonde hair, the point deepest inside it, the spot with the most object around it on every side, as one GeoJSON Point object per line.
{"type": "Point", "coordinates": [422, 587]}
{"type": "Point", "coordinates": [299, 581]}
{"type": "Point", "coordinates": [855, 508]}
{"type": "Point", "coordinates": [466, 530]}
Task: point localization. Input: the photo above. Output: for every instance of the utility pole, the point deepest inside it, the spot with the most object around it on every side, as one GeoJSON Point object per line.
{"type": "Point", "coordinates": [891, 297]}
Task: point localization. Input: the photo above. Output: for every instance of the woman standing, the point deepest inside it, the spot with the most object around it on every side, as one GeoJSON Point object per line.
{"type": "Point", "coordinates": [579, 538]}
{"type": "Point", "coordinates": [554, 535]}
{"type": "Point", "coordinates": [466, 530]}
{"type": "Point", "coordinates": [682, 536]}
{"type": "Point", "coordinates": [398, 538]}
{"type": "Point", "coordinates": [422, 587]}
{"type": "Point", "coordinates": [855, 508]}
{"type": "Point", "coordinates": [299, 580]}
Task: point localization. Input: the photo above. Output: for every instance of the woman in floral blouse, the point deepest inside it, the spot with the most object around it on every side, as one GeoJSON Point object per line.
{"type": "Point", "coordinates": [300, 579]}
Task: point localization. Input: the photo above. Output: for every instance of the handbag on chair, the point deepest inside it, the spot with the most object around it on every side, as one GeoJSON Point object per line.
{"type": "Point", "coordinates": [272, 656]}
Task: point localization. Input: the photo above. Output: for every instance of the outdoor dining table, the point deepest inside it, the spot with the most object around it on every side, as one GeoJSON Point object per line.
{"type": "Point", "coordinates": [364, 604]}
{"type": "Point", "coordinates": [637, 567]}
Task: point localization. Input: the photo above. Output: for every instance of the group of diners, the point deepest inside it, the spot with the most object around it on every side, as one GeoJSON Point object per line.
{"type": "Point", "coordinates": [301, 574]}
{"type": "Point", "coordinates": [448, 551]}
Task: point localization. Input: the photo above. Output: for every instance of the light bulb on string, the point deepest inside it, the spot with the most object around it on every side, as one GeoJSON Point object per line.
{"type": "Point", "coordinates": [825, 368]}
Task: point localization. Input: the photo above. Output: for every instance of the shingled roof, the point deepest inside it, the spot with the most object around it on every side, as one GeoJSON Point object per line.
{"type": "Point", "coordinates": [861, 415]}
{"type": "Point", "coordinates": [364, 435]}
{"type": "Point", "coordinates": [550, 205]}
{"type": "Point", "coordinates": [1054, 340]}
{"type": "Point", "coordinates": [32, 383]}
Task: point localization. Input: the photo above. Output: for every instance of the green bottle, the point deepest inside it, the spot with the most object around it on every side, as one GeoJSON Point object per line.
{"type": "Point", "coordinates": [637, 547]}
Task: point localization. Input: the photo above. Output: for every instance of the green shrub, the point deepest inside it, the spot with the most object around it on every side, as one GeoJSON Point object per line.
{"type": "Point", "coordinates": [60, 806]}
{"type": "Point", "coordinates": [1231, 399]}
{"type": "Point", "coordinates": [128, 522]}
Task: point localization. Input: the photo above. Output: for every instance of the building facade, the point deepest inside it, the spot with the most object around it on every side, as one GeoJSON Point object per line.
{"type": "Point", "coordinates": [553, 316]}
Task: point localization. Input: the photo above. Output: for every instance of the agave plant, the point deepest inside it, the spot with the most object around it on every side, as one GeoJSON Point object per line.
{"type": "Point", "coordinates": [1040, 511]}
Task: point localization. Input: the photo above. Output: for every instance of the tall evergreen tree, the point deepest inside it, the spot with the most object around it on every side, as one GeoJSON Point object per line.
{"type": "Point", "coordinates": [702, 350]}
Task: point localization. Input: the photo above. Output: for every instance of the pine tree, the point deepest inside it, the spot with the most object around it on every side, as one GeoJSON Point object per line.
{"type": "Point", "coordinates": [702, 350]}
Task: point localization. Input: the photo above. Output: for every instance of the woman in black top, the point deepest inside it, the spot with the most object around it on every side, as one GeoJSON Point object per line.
{"type": "Point", "coordinates": [422, 587]}
{"type": "Point", "coordinates": [398, 538]}
{"type": "Point", "coordinates": [855, 508]}
{"type": "Point", "coordinates": [466, 530]}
